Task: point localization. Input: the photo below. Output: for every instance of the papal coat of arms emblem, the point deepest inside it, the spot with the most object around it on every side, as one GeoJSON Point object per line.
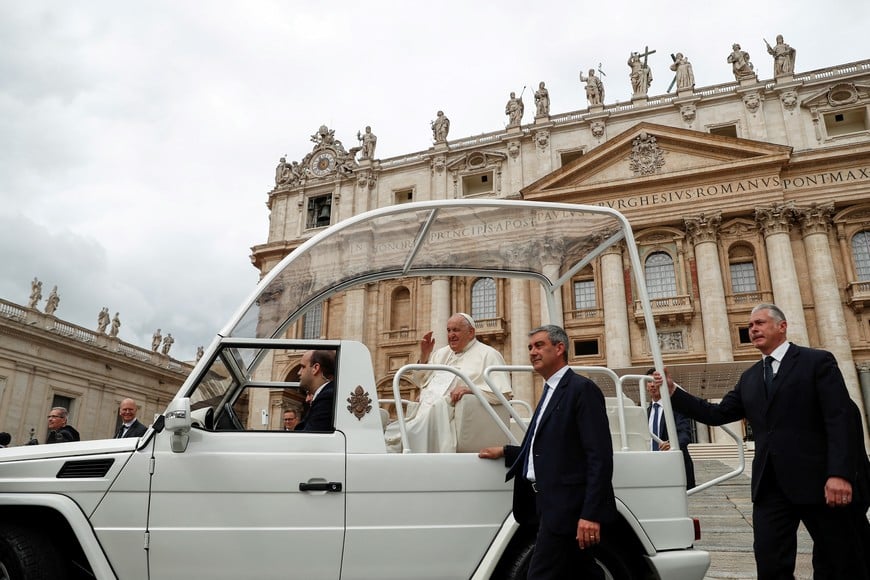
{"type": "Point", "coordinates": [360, 403]}
{"type": "Point", "coordinates": [646, 156]}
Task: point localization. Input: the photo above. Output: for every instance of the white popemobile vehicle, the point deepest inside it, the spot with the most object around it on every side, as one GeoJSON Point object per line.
{"type": "Point", "coordinates": [211, 492]}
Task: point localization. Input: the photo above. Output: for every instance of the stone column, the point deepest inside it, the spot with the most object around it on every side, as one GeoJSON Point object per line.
{"type": "Point", "coordinates": [352, 325]}
{"type": "Point", "coordinates": [521, 323]}
{"type": "Point", "coordinates": [830, 321]}
{"type": "Point", "coordinates": [774, 224]}
{"type": "Point", "coordinates": [617, 343]}
{"type": "Point", "coordinates": [551, 256]}
{"type": "Point", "coordinates": [440, 309]}
{"type": "Point", "coordinates": [703, 232]}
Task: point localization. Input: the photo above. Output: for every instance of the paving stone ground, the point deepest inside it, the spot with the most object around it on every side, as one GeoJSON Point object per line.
{"type": "Point", "coordinates": [725, 513]}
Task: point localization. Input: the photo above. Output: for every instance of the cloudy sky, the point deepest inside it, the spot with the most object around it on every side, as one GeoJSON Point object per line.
{"type": "Point", "coordinates": [138, 141]}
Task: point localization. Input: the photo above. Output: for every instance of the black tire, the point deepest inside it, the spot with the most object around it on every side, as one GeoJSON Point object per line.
{"type": "Point", "coordinates": [26, 554]}
{"type": "Point", "coordinates": [614, 566]}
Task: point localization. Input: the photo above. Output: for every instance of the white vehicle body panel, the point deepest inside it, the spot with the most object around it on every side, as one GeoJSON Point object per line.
{"type": "Point", "coordinates": [211, 495]}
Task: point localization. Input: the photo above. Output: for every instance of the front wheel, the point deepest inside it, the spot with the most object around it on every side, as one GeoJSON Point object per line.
{"type": "Point", "coordinates": [608, 559]}
{"type": "Point", "coordinates": [26, 553]}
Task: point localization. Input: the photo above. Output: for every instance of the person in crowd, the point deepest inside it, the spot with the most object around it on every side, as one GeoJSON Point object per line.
{"type": "Point", "coordinates": [430, 426]}
{"type": "Point", "coordinates": [316, 376]}
{"type": "Point", "coordinates": [562, 472]}
{"type": "Point", "coordinates": [130, 426]}
{"type": "Point", "coordinates": [58, 429]}
{"type": "Point", "coordinates": [291, 419]}
{"type": "Point", "coordinates": [658, 427]}
{"type": "Point", "coordinates": [805, 467]}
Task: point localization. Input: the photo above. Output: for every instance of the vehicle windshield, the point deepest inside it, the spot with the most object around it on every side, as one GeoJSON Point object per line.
{"type": "Point", "coordinates": [544, 241]}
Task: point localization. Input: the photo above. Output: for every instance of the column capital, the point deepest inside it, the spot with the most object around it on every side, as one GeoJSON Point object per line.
{"type": "Point", "coordinates": [815, 219]}
{"type": "Point", "coordinates": [775, 219]}
{"type": "Point", "coordinates": [552, 250]}
{"type": "Point", "coordinates": [703, 228]}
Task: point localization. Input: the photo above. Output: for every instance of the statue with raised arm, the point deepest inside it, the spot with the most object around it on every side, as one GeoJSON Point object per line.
{"type": "Point", "coordinates": [368, 141]}
{"type": "Point", "coordinates": [156, 338]}
{"type": "Point", "coordinates": [542, 101]}
{"type": "Point", "coordinates": [116, 325]}
{"type": "Point", "coordinates": [685, 77]}
{"type": "Point", "coordinates": [53, 301]}
{"type": "Point", "coordinates": [35, 293]}
{"type": "Point", "coordinates": [740, 65]}
{"type": "Point", "coordinates": [514, 110]}
{"type": "Point", "coordinates": [641, 75]}
{"type": "Point", "coordinates": [783, 57]}
{"type": "Point", "coordinates": [594, 88]}
{"type": "Point", "coordinates": [440, 127]}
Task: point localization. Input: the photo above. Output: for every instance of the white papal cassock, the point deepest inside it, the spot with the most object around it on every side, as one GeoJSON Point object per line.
{"type": "Point", "coordinates": [430, 425]}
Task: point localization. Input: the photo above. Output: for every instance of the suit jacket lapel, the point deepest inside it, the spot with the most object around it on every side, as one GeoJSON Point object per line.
{"type": "Point", "coordinates": [557, 395]}
{"type": "Point", "coordinates": [785, 366]}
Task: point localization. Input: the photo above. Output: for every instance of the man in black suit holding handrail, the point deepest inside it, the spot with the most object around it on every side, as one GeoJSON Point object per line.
{"type": "Point", "coordinates": [804, 469]}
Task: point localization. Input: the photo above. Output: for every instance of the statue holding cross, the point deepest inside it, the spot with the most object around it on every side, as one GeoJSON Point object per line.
{"type": "Point", "coordinates": [641, 74]}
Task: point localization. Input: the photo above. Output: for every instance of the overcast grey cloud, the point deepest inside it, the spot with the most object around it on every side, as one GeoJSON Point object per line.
{"type": "Point", "coordinates": [139, 140]}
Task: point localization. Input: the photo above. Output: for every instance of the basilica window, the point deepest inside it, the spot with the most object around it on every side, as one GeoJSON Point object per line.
{"type": "Point", "coordinates": [845, 122]}
{"type": "Point", "coordinates": [400, 309]}
{"type": "Point", "coordinates": [313, 323]}
{"type": "Point", "coordinates": [483, 299]}
{"type": "Point", "coordinates": [861, 254]}
{"type": "Point", "coordinates": [569, 156]}
{"type": "Point", "coordinates": [743, 277]}
{"type": "Point", "coordinates": [661, 279]}
{"type": "Point", "coordinates": [319, 212]}
{"type": "Point", "coordinates": [479, 184]}
{"type": "Point", "coordinates": [584, 295]}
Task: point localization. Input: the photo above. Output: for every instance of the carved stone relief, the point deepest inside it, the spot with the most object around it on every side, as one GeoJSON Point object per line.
{"type": "Point", "coordinates": [752, 100]}
{"type": "Point", "coordinates": [646, 156]}
{"type": "Point", "coordinates": [597, 128]}
{"type": "Point", "coordinates": [688, 112]}
{"type": "Point", "coordinates": [789, 99]}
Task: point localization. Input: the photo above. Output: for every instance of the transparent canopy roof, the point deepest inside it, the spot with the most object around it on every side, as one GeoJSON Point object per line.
{"type": "Point", "coordinates": [537, 240]}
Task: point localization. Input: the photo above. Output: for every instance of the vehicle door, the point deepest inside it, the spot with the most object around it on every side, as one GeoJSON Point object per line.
{"type": "Point", "coordinates": [246, 499]}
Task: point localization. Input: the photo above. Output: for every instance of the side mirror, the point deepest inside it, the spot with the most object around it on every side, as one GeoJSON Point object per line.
{"type": "Point", "coordinates": [178, 423]}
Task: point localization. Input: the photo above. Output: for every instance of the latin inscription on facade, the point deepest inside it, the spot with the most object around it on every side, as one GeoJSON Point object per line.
{"type": "Point", "coordinates": [744, 186]}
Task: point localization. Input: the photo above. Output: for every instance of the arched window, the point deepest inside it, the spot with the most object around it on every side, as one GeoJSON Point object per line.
{"type": "Point", "coordinates": [661, 281]}
{"type": "Point", "coordinates": [861, 254]}
{"type": "Point", "coordinates": [741, 262]}
{"type": "Point", "coordinates": [400, 309]}
{"type": "Point", "coordinates": [483, 299]}
{"type": "Point", "coordinates": [313, 323]}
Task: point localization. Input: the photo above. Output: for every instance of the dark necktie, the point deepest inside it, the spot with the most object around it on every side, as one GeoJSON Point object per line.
{"type": "Point", "coordinates": [768, 375]}
{"type": "Point", "coordinates": [656, 410]}
{"type": "Point", "coordinates": [526, 450]}
{"type": "Point", "coordinates": [121, 431]}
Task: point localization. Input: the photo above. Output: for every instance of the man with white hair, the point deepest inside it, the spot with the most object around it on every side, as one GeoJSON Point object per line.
{"type": "Point", "coordinates": [430, 427]}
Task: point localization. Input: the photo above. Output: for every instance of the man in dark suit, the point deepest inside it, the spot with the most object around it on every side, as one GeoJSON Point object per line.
{"type": "Point", "coordinates": [796, 401]}
{"type": "Point", "coordinates": [684, 430]}
{"type": "Point", "coordinates": [130, 425]}
{"type": "Point", "coordinates": [316, 373]}
{"type": "Point", "coordinates": [563, 470]}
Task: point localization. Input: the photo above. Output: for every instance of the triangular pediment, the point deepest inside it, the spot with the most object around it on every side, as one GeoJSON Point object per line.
{"type": "Point", "coordinates": [650, 156]}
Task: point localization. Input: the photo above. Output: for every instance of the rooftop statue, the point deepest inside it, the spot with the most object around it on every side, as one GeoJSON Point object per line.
{"type": "Point", "coordinates": [740, 65]}
{"type": "Point", "coordinates": [542, 101]}
{"type": "Point", "coordinates": [783, 57]}
{"type": "Point", "coordinates": [594, 88]}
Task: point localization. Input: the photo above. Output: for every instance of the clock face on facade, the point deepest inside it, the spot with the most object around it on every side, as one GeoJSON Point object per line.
{"type": "Point", "coordinates": [323, 163]}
